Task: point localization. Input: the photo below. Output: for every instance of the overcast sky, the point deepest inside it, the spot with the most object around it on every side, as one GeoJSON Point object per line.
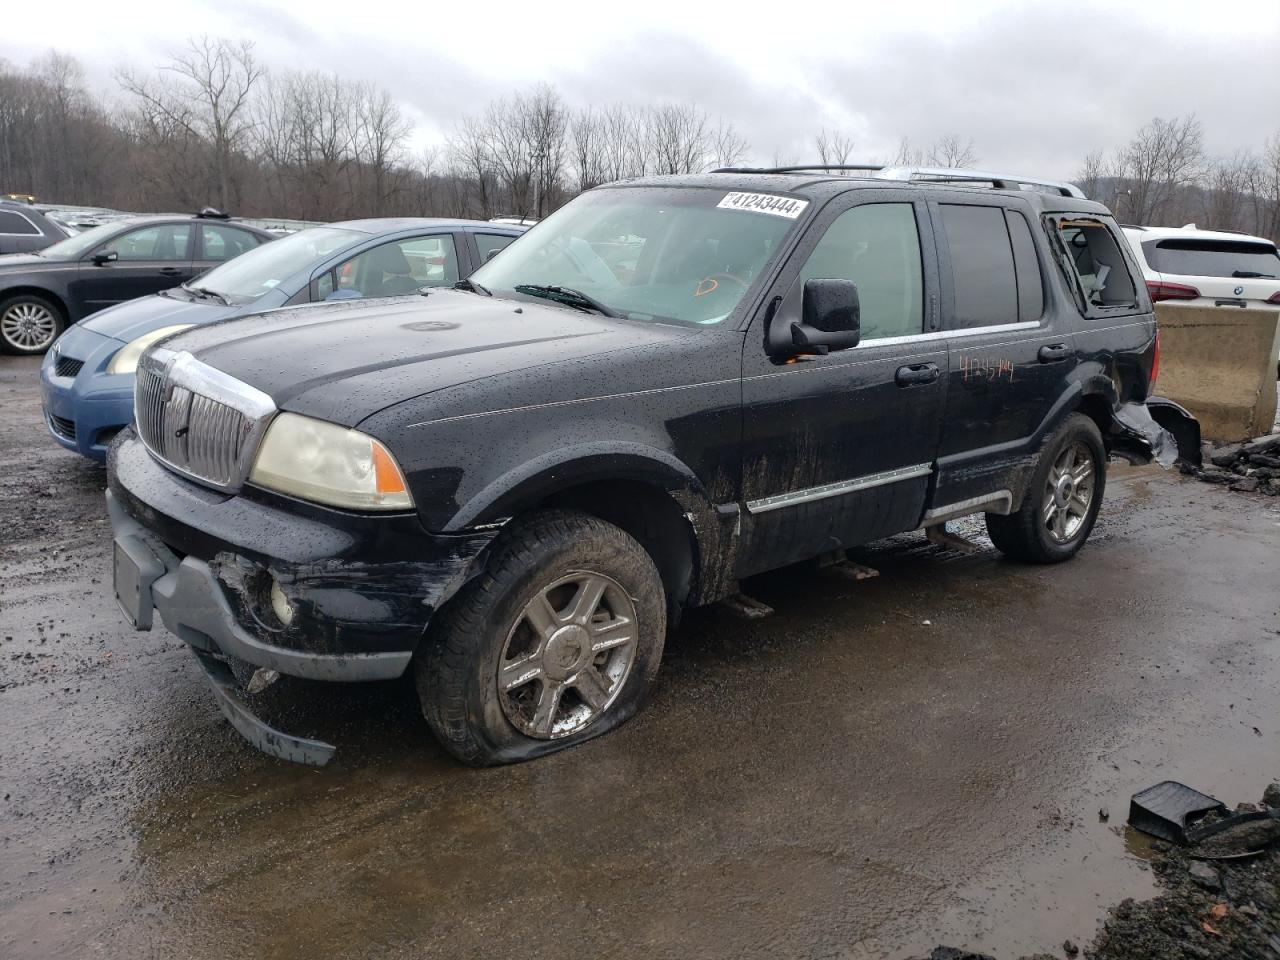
{"type": "Point", "coordinates": [1036, 86]}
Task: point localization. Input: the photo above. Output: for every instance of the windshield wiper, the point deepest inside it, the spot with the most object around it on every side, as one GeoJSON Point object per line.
{"type": "Point", "coordinates": [568, 296]}
{"type": "Point", "coordinates": [1252, 275]}
{"type": "Point", "coordinates": [472, 286]}
{"type": "Point", "coordinates": [204, 293]}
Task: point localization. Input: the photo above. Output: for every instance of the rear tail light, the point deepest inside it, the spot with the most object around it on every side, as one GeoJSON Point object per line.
{"type": "Point", "coordinates": [1155, 365]}
{"type": "Point", "coordinates": [1170, 291]}
{"type": "Point", "coordinates": [1274, 298]}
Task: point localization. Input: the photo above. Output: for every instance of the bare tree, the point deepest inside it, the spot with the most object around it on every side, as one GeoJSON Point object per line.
{"type": "Point", "coordinates": [1163, 158]}
{"type": "Point", "coordinates": [952, 152]}
{"type": "Point", "coordinates": [1090, 177]}
{"type": "Point", "coordinates": [728, 148]}
{"type": "Point", "coordinates": [209, 97]}
{"type": "Point", "coordinates": [833, 147]}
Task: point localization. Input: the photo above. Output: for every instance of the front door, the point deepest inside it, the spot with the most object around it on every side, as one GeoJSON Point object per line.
{"type": "Point", "coordinates": [839, 449]}
{"type": "Point", "coordinates": [1011, 348]}
{"type": "Point", "coordinates": [148, 259]}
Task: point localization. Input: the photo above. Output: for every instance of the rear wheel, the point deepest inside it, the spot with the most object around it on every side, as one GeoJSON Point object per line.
{"type": "Point", "coordinates": [555, 643]}
{"type": "Point", "coordinates": [29, 324]}
{"type": "Point", "coordinates": [1062, 501]}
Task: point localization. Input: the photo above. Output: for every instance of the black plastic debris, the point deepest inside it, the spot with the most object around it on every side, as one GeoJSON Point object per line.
{"type": "Point", "coordinates": [1167, 809]}
{"type": "Point", "coordinates": [1173, 811]}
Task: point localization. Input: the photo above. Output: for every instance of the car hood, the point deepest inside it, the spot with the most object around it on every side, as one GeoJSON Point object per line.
{"type": "Point", "coordinates": [125, 321]}
{"type": "Point", "coordinates": [345, 361]}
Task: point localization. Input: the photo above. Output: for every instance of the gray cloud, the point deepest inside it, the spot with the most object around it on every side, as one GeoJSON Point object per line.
{"type": "Point", "coordinates": [1035, 87]}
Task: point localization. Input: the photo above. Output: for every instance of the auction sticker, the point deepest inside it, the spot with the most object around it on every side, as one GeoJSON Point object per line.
{"type": "Point", "coordinates": [764, 203]}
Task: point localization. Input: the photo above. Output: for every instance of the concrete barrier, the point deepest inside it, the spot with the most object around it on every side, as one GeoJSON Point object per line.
{"type": "Point", "coordinates": [1220, 363]}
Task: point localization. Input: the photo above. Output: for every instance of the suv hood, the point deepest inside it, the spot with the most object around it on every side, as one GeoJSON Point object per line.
{"type": "Point", "coordinates": [346, 360]}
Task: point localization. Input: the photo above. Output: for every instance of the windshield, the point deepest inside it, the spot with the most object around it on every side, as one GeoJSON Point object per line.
{"type": "Point", "coordinates": [684, 254]}
{"type": "Point", "coordinates": [73, 248]}
{"type": "Point", "coordinates": [261, 269]}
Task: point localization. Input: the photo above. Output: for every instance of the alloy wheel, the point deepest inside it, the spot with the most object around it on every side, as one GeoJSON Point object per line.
{"type": "Point", "coordinates": [568, 655]}
{"type": "Point", "coordinates": [1069, 492]}
{"type": "Point", "coordinates": [28, 326]}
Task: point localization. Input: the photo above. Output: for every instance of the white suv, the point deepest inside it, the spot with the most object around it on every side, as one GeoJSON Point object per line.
{"type": "Point", "coordinates": [1207, 268]}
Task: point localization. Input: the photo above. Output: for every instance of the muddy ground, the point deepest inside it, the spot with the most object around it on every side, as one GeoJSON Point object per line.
{"type": "Point", "coordinates": [881, 767]}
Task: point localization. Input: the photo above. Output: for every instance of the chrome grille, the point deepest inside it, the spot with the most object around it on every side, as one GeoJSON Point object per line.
{"type": "Point", "coordinates": [198, 420]}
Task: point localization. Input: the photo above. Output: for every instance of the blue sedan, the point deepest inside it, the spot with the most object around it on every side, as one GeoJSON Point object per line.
{"type": "Point", "coordinates": [86, 381]}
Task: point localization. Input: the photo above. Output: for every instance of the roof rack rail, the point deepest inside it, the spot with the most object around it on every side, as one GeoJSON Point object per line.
{"type": "Point", "coordinates": [999, 181]}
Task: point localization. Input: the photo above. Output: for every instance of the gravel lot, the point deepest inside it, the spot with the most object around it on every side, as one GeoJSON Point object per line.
{"type": "Point", "coordinates": [881, 767]}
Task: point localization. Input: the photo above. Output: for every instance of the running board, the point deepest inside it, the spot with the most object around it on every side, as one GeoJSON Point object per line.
{"type": "Point", "coordinates": [1000, 502]}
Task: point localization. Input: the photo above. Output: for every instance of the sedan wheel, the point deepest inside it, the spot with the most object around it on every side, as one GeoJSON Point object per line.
{"type": "Point", "coordinates": [28, 326]}
{"type": "Point", "coordinates": [568, 656]}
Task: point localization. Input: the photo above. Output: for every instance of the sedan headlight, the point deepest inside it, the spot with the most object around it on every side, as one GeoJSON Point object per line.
{"type": "Point", "coordinates": [329, 464]}
{"type": "Point", "coordinates": [126, 358]}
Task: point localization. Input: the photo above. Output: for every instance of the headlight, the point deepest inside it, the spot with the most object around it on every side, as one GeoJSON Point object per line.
{"type": "Point", "coordinates": [126, 359]}
{"type": "Point", "coordinates": [329, 464]}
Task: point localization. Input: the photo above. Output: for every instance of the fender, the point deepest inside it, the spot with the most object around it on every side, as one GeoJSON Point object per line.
{"type": "Point", "coordinates": [572, 465]}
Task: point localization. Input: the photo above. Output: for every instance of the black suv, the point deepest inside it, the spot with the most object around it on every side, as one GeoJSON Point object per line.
{"type": "Point", "coordinates": [515, 487]}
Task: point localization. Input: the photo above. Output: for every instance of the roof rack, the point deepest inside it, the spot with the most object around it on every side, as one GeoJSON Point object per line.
{"type": "Point", "coordinates": [998, 181]}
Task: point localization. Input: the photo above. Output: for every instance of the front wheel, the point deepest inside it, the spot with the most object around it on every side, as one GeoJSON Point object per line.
{"type": "Point", "coordinates": [29, 324]}
{"type": "Point", "coordinates": [1062, 501]}
{"type": "Point", "coordinates": [555, 643]}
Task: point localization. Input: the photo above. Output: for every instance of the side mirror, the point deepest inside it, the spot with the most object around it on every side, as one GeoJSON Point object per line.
{"type": "Point", "coordinates": [106, 256]}
{"type": "Point", "coordinates": [492, 253]}
{"type": "Point", "coordinates": [830, 319]}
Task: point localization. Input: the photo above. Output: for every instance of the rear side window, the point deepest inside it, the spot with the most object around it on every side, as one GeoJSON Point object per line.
{"type": "Point", "coordinates": [15, 224]}
{"type": "Point", "coordinates": [490, 244]}
{"type": "Point", "coordinates": [876, 246]}
{"type": "Point", "coordinates": [1026, 267]}
{"type": "Point", "coordinates": [1212, 258]}
{"type": "Point", "coordinates": [986, 289]}
{"type": "Point", "coordinates": [225, 243]}
{"type": "Point", "coordinates": [1100, 268]}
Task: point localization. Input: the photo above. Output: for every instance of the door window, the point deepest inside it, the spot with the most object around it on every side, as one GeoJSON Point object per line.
{"type": "Point", "coordinates": [15, 224]}
{"type": "Point", "coordinates": [1027, 268]}
{"type": "Point", "coordinates": [877, 246]}
{"type": "Point", "coordinates": [165, 241]}
{"type": "Point", "coordinates": [490, 244]}
{"type": "Point", "coordinates": [394, 269]}
{"type": "Point", "coordinates": [225, 243]}
{"type": "Point", "coordinates": [986, 291]}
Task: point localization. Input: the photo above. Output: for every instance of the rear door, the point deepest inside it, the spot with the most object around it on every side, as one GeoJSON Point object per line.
{"type": "Point", "coordinates": [1011, 352]}
{"type": "Point", "coordinates": [839, 449]}
{"type": "Point", "coordinates": [148, 259]}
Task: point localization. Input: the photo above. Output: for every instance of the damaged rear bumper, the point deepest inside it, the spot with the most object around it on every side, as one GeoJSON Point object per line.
{"type": "Point", "coordinates": [1159, 430]}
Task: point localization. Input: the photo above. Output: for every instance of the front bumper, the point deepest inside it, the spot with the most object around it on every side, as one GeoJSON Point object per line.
{"type": "Point", "coordinates": [363, 587]}
{"type": "Point", "coordinates": [84, 412]}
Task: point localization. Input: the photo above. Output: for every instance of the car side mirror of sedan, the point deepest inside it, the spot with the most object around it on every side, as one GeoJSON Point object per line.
{"type": "Point", "coordinates": [830, 319]}
{"type": "Point", "coordinates": [106, 256]}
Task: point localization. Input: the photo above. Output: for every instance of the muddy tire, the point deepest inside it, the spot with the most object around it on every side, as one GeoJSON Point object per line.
{"type": "Point", "coordinates": [29, 324]}
{"type": "Point", "coordinates": [1062, 501]}
{"type": "Point", "coordinates": [555, 643]}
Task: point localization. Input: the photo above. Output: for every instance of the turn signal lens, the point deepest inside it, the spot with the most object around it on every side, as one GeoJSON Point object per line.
{"type": "Point", "coordinates": [1160, 290]}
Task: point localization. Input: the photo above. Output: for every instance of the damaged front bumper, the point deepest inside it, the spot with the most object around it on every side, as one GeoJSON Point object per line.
{"type": "Point", "coordinates": [1158, 429]}
{"type": "Point", "coordinates": [362, 588]}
